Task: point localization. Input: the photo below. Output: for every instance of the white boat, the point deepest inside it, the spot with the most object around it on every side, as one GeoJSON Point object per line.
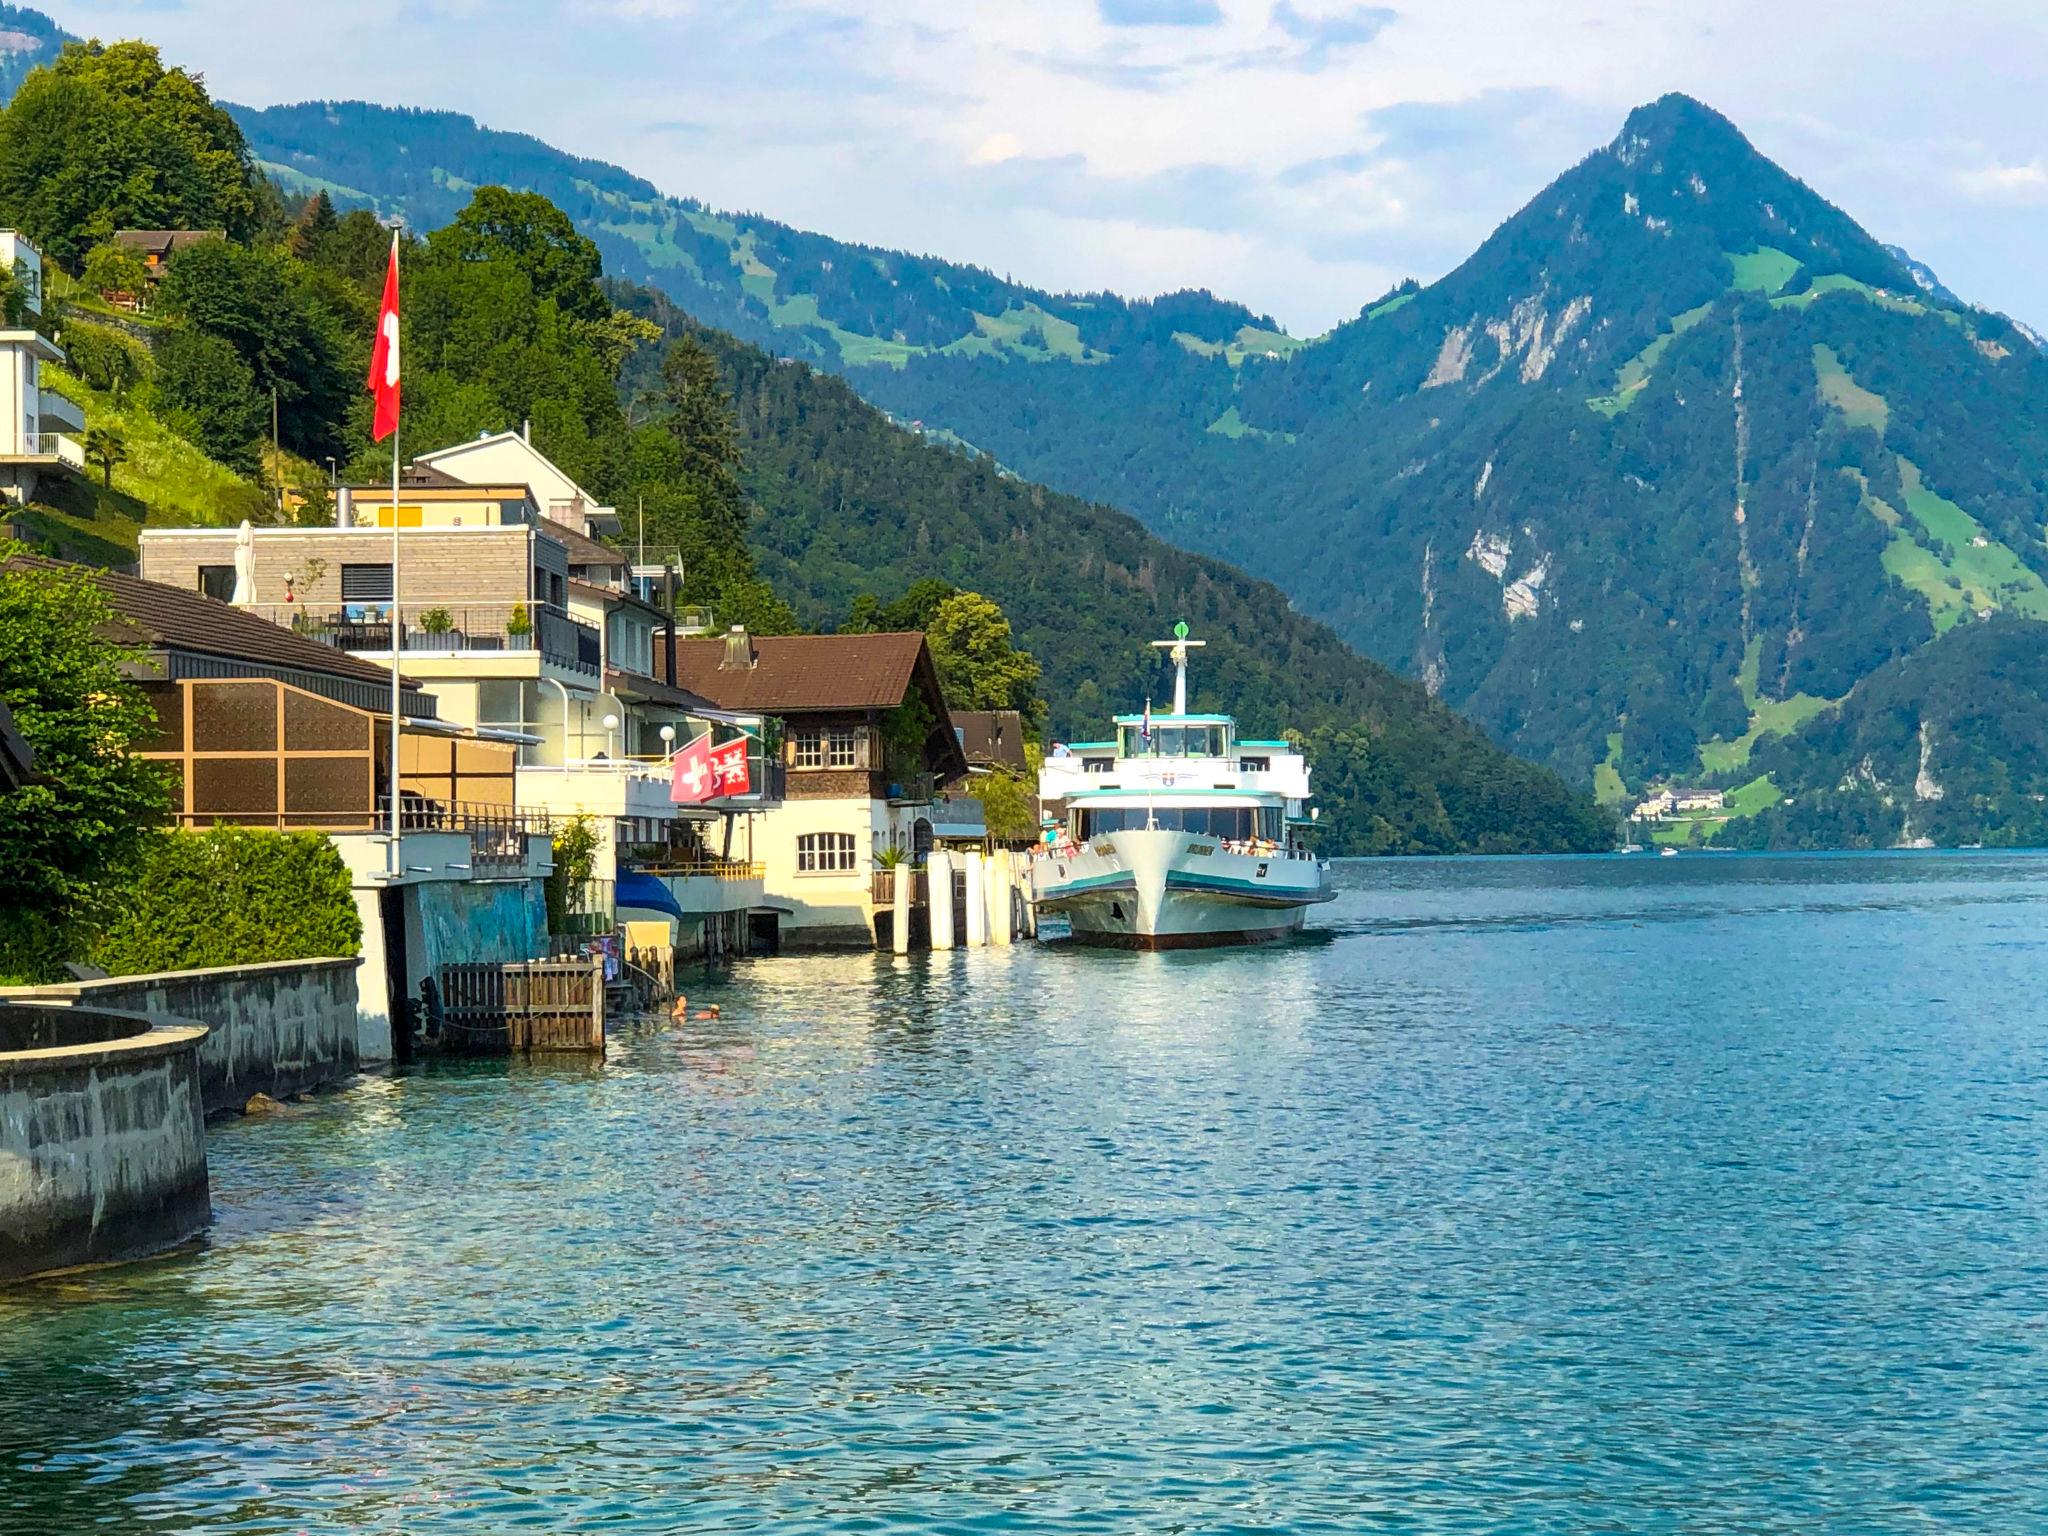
{"type": "Point", "coordinates": [1177, 834]}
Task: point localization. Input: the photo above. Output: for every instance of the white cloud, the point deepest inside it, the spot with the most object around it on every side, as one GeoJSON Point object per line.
{"type": "Point", "coordinates": [2027, 182]}
{"type": "Point", "coordinates": [915, 122]}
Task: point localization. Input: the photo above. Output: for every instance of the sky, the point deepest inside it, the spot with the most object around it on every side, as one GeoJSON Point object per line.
{"type": "Point", "coordinates": [1300, 156]}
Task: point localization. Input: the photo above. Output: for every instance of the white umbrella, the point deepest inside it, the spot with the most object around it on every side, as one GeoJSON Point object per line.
{"type": "Point", "coordinates": [245, 564]}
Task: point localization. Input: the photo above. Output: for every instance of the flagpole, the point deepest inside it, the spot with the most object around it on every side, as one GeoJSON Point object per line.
{"type": "Point", "coordinates": [396, 860]}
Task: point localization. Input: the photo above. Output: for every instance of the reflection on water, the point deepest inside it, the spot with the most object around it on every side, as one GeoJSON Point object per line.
{"type": "Point", "coordinates": [1536, 1195]}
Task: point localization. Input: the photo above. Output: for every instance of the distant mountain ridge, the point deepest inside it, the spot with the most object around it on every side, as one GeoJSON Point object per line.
{"type": "Point", "coordinates": [1675, 459]}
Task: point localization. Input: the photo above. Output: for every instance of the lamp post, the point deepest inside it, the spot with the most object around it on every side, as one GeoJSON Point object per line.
{"type": "Point", "coordinates": [668, 741]}
{"type": "Point", "coordinates": [611, 724]}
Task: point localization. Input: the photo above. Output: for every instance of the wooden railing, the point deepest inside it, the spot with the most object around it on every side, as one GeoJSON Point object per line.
{"type": "Point", "coordinates": [492, 1009]}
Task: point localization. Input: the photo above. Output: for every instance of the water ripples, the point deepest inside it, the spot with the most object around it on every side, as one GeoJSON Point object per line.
{"type": "Point", "coordinates": [1541, 1196]}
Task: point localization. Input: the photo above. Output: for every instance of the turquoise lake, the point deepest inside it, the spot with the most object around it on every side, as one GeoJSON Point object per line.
{"type": "Point", "coordinates": [1587, 1195]}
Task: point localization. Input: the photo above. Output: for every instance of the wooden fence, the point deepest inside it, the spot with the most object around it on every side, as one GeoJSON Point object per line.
{"type": "Point", "coordinates": [531, 1005]}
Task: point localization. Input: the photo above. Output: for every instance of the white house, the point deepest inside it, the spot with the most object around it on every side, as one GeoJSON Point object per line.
{"type": "Point", "coordinates": [37, 425]}
{"type": "Point", "coordinates": [510, 458]}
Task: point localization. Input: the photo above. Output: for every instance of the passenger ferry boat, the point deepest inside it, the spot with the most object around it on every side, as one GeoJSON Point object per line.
{"type": "Point", "coordinates": [1177, 834]}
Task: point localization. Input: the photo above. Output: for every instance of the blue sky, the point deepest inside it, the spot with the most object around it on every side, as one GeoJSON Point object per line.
{"type": "Point", "coordinates": [1299, 155]}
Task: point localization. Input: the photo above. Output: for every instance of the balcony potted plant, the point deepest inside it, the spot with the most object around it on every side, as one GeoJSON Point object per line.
{"type": "Point", "coordinates": [438, 625]}
{"type": "Point", "coordinates": [518, 625]}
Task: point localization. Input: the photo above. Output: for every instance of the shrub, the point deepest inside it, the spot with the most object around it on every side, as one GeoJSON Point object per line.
{"type": "Point", "coordinates": [207, 395]}
{"type": "Point", "coordinates": [229, 896]}
{"type": "Point", "coordinates": [105, 359]}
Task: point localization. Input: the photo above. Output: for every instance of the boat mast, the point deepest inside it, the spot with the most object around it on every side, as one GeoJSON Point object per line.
{"type": "Point", "coordinates": [1177, 647]}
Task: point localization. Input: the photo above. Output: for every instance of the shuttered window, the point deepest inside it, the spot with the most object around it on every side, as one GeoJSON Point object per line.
{"type": "Point", "coordinates": [366, 583]}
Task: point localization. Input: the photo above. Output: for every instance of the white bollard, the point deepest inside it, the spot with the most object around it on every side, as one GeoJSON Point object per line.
{"type": "Point", "coordinates": [1001, 879]}
{"type": "Point", "coordinates": [899, 923]}
{"type": "Point", "coordinates": [977, 900]}
{"type": "Point", "coordinates": [938, 877]}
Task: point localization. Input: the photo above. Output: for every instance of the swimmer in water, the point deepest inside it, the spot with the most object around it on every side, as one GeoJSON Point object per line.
{"type": "Point", "coordinates": [681, 1011]}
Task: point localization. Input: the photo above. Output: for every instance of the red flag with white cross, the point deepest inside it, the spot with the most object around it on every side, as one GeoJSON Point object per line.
{"type": "Point", "coordinates": [383, 380]}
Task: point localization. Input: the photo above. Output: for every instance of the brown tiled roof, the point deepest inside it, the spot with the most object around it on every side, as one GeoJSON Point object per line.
{"type": "Point", "coordinates": [991, 736]}
{"type": "Point", "coordinates": [793, 674]}
{"type": "Point", "coordinates": [154, 616]}
{"type": "Point", "coordinates": [164, 240]}
{"type": "Point", "coordinates": [582, 549]}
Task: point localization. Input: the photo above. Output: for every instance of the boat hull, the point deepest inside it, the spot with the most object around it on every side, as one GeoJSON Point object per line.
{"type": "Point", "coordinates": [1175, 890]}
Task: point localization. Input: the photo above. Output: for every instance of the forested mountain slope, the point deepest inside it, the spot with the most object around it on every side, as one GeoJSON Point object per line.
{"type": "Point", "coordinates": [1677, 457]}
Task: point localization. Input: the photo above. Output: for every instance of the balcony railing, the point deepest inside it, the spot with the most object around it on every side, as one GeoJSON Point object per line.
{"type": "Point", "coordinates": [708, 866]}
{"type": "Point", "coordinates": [497, 833]}
{"type": "Point", "coordinates": [48, 445]}
{"type": "Point", "coordinates": [432, 628]}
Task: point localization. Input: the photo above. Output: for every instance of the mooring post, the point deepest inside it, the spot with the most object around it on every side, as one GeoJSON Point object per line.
{"type": "Point", "coordinates": [938, 879]}
{"type": "Point", "coordinates": [977, 900]}
{"type": "Point", "coordinates": [999, 910]}
{"type": "Point", "coordinates": [899, 925]}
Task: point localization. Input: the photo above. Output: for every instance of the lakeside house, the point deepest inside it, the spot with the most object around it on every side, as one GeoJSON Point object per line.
{"type": "Point", "coordinates": [518, 624]}
{"type": "Point", "coordinates": [867, 745]}
{"type": "Point", "coordinates": [263, 727]}
{"type": "Point", "coordinates": [156, 247]}
{"type": "Point", "coordinates": [1676, 801]}
{"type": "Point", "coordinates": [37, 425]}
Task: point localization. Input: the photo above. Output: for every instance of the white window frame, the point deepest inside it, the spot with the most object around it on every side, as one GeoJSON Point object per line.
{"type": "Point", "coordinates": [842, 746]}
{"type": "Point", "coordinates": [826, 853]}
{"type": "Point", "coordinates": [807, 747]}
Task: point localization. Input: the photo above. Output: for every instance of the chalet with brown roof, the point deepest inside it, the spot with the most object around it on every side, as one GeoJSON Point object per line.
{"type": "Point", "coordinates": [866, 743]}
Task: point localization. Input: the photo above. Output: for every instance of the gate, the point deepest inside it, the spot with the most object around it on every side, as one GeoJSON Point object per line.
{"type": "Point", "coordinates": [491, 1009]}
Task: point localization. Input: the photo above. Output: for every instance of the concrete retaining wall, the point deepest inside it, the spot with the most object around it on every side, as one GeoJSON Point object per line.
{"type": "Point", "coordinates": [102, 1137]}
{"type": "Point", "coordinates": [279, 1029]}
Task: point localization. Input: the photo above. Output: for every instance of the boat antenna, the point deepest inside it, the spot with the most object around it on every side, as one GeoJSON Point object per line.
{"type": "Point", "coordinates": [1177, 647]}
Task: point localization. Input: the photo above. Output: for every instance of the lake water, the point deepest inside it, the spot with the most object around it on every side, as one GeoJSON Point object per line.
{"type": "Point", "coordinates": [1701, 1194]}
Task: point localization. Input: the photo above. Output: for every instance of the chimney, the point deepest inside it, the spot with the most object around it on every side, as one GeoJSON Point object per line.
{"type": "Point", "coordinates": [739, 651]}
{"type": "Point", "coordinates": [526, 430]}
{"type": "Point", "coordinates": [344, 508]}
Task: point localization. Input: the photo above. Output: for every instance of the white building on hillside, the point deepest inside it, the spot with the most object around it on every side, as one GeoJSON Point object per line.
{"type": "Point", "coordinates": [37, 425]}
{"type": "Point", "coordinates": [510, 458]}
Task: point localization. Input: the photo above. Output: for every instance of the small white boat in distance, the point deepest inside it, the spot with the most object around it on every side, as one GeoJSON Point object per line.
{"type": "Point", "coordinates": [1177, 834]}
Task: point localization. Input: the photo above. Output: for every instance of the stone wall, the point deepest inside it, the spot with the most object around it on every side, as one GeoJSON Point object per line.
{"type": "Point", "coordinates": [280, 1029]}
{"type": "Point", "coordinates": [102, 1137]}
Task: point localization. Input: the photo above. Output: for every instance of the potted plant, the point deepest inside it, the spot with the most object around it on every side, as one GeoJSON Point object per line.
{"type": "Point", "coordinates": [438, 623]}
{"type": "Point", "coordinates": [520, 624]}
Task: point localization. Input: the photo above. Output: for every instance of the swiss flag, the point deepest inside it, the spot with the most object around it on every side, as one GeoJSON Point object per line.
{"type": "Point", "coordinates": [704, 772]}
{"type": "Point", "coordinates": [692, 778]}
{"type": "Point", "coordinates": [384, 354]}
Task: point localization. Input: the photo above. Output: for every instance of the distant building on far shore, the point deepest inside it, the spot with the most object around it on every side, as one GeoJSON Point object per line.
{"type": "Point", "coordinates": [1675, 802]}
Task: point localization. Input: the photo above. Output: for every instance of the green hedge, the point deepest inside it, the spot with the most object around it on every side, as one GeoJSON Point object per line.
{"type": "Point", "coordinates": [231, 896]}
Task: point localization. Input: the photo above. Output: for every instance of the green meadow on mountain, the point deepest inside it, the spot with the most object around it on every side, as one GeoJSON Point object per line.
{"type": "Point", "coordinates": [1671, 464]}
{"type": "Point", "coordinates": [793, 501]}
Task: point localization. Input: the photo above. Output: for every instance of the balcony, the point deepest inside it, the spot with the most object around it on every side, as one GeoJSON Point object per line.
{"type": "Point", "coordinates": [55, 413]}
{"type": "Point", "coordinates": [53, 448]}
{"type": "Point", "coordinates": [431, 629]}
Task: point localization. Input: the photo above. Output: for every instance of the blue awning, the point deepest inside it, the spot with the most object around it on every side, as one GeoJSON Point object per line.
{"type": "Point", "coordinates": [644, 891]}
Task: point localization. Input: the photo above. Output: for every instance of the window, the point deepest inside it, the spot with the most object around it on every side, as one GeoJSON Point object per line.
{"type": "Point", "coordinates": [366, 583]}
{"type": "Point", "coordinates": [826, 746]}
{"type": "Point", "coordinates": [218, 582]}
{"type": "Point", "coordinates": [824, 853]}
{"type": "Point", "coordinates": [840, 748]}
{"type": "Point", "coordinates": [1230, 823]}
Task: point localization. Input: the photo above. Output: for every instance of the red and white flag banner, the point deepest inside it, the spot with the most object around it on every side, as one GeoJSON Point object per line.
{"type": "Point", "coordinates": [703, 772]}
{"type": "Point", "coordinates": [383, 380]}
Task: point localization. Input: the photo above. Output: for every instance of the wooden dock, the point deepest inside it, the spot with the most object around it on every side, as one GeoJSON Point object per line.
{"type": "Point", "coordinates": [491, 1009]}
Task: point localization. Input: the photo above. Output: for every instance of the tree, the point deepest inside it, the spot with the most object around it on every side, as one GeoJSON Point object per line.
{"type": "Point", "coordinates": [106, 448]}
{"type": "Point", "coordinates": [979, 667]}
{"type": "Point", "coordinates": [699, 421]}
{"type": "Point", "coordinates": [113, 268]}
{"type": "Point", "coordinates": [538, 239]}
{"type": "Point", "coordinates": [253, 301]}
{"type": "Point", "coordinates": [106, 138]}
{"type": "Point", "coordinates": [207, 395]}
{"type": "Point", "coordinates": [83, 817]}
{"type": "Point", "coordinates": [312, 229]}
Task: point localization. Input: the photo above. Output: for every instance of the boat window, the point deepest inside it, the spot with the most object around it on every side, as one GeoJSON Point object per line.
{"type": "Point", "coordinates": [1254, 764]}
{"type": "Point", "coordinates": [1226, 822]}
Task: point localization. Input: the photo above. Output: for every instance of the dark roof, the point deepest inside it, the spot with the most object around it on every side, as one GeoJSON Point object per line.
{"type": "Point", "coordinates": [582, 549]}
{"type": "Point", "coordinates": [640, 685]}
{"type": "Point", "coordinates": [165, 239]}
{"type": "Point", "coordinates": [991, 737]}
{"type": "Point", "coordinates": [793, 674]}
{"type": "Point", "coordinates": [156, 617]}
{"type": "Point", "coordinates": [17, 761]}
{"type": "Point", "coordinates": [822, 674]}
